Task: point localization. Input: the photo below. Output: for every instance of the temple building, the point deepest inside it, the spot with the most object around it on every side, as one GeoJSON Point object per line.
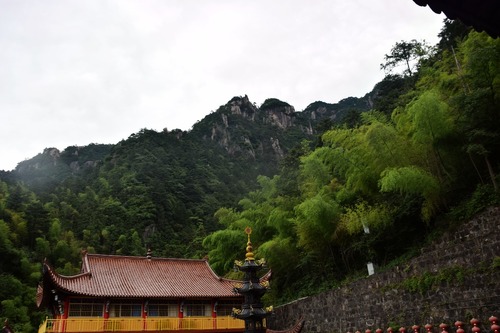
{"type": "Point", "coordinates": [136, 294]}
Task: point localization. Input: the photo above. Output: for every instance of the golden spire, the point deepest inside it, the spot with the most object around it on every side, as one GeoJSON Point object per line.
{"type": "Point", "coordinates": [249, 255]}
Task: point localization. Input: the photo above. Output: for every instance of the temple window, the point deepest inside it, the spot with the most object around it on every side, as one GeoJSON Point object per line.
{"type": "Point", "coordinates": [225, 308]}
{"type": "Point", "coordinates": [197, 308]}
{"type": "Point", "coordinates": [85, 307]}
{"type": "Point", "coordinates": [125, 309]}
{"type": "Point", "coordinates": [163, 309]}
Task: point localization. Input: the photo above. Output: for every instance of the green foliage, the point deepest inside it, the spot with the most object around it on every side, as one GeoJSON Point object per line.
{"type": "Point", "coordinates": [225, 247]}
{"type": "Point", "coordinates": [389, 92]}
{"type": "Point", "coordinates": [413, 181]}
{"type": "Point", "coordinates": [496, 263]}
{"type": "Point", "coordinates": [428, 281]}
{"type": "Point", "coordinates": [273, 103]}
{"type": "Point", "coordinates": [362, 216]}
{"type": "Point", "coordinates": [382, 172]}
{"type": "Point", "coordinates": [17, 313]}
{"type": "Point", "coordinates": [452, 33]}
{"type": "Point", "coordinates": [406, 53]}
{"type": "Point", "coordinates": [483, 197]}
{"type": "Point", "coordinates": [430, 121]}
{"type": "Point", "coordinates": [316, 220]}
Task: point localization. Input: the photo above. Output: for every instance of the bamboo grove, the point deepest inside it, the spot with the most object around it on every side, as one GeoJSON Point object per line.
{"type": "Point", "coordinates": [377, 190]}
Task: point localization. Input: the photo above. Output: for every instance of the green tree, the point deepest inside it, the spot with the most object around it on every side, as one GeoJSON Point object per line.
{"type": "Point", "coordinates": [427, 121]}
{"type": "Point", "coordinates": [412, 180]}
{"type": "Point", "coordinates": [480, 105]}
{"type": "Point", "coordinates": [316, 222]}
{"type": "Point", "coordinates": [407, 53]}
{"type": "Point", "coordinates": [224, 247]}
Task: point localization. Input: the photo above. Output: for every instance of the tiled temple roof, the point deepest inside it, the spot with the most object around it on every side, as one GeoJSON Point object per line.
{"type": "Point", "coordinates": [140, 277]}
{"type": "Point", "coordinates": [482, 15]}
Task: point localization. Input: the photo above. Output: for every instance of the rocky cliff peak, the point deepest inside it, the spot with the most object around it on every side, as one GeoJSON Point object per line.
{"type": "Point", "coordinates": [244, 129]}
{"type": "Point", "coordinates": [278, 113]}
{"type": "Point", "coordinates": [243, 107]}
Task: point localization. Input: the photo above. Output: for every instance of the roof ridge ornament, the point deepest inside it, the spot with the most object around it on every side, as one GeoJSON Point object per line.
{"type": "Point", "coordinates": [85, 262]}
{"type": "Point", "coordinates": [249, 256]}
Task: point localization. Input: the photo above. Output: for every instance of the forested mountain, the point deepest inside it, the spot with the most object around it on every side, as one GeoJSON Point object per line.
{"type": "Point", "coordinates": [161, 189]}
{"type": "Point", "coordinates": [413, 156]}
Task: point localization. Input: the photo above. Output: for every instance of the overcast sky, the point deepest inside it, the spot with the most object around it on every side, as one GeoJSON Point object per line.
{"type": "Point", "coordinates": [97, 71]}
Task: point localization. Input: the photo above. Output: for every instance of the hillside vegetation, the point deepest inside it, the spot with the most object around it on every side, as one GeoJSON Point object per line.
{"type": "Point", "coordinates": [411, 158]}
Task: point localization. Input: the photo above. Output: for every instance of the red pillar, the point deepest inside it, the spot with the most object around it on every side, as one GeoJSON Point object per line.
{"type": "Point", "coordinates": [65, 314]}
{"type": "Point", "coordinates": [106, 310]}
{"type": "Point", "coordinates": [181, 314]}
{"type": "Point", "coordinates": [181, 309]}
{"type": "Point", "coordinates": [214, 309]}
{"type": "Point", "coordinates": [214, 315]}
{"type": "Point", "coordinates": [144, 315]}
{"type": "Point", "coordinates": [105, 307]}
{"type": "Point", "coordinates": [66, 308]}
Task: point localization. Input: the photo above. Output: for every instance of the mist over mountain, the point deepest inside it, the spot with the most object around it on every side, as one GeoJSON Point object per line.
{"type": "Point", "coordinates": [168, 184]}
{"type": "Point", "coordinates": [239, 129]}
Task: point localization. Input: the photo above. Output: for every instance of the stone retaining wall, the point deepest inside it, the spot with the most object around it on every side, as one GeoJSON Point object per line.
{"type": "Point", "coordinates": [455, 278]}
